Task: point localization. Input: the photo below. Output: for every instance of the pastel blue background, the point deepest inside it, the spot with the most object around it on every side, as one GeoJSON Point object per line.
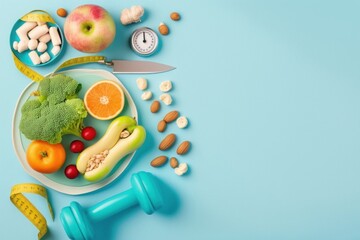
{"type": "Point", "coordinates": [271, 89]}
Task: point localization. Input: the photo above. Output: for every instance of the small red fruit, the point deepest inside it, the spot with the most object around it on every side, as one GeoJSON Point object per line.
{"type": "Point", "coordinates": [88, 133]}
{"type": "Point", "coordinates": [71, 171]}
{"type": "Point", "coordinates": [77, 146]}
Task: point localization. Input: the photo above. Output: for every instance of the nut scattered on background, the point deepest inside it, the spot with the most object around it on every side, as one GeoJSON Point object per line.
{"type": "Point", "coordinates": [175, 16]}
{"type": "Point", "coordinates": [161, 126]}
{"type": "Point", "coordinates": [61, 12]}
{"type": "Point", "coordinates": [165, 86]}
{"type": "Point", "coordinates": [158, 161]}
{"type": "Point", "coordinates": [147, 95]}
{"type": "Point", "coordinates": [181, 169]}
{"type": "Point", "coordinates": [182, 122]}
{"type": "Point", "coordinates": [183, 148]}
{"type": "Point", "coordinates": [141, 83]}
{"type": "Point", "coordinates": [174, 163]}
{"type": "Point", "coordinates": [171, 116]}
{"type": "Point", "coordinates": [155, 106]}
{"type": "Point", "coordinates": [167, 142]}
{"type": "Point", "coordinates": [163, 29]}
{"type": "Point", "coordinates": [166, 98]}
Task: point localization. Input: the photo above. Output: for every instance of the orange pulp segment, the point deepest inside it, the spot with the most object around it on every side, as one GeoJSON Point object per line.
{"type": "Point", "coordinates": [104, 100]}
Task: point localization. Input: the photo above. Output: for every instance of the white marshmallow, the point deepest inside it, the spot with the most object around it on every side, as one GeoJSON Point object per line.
{"type": "Point", "coordinates": [45, 57]}
{"type": "Point", "coordinates": [34, 57]}
{"type": "Point", "coordinates": [41, 47]}
{"type": "Point", "coordinates": [55, 37]}
{"type": "Point", "coordinates": [55, 50]}
{"type": "Point", "coordinates": [38, 31]}
{"type": "Point", "coordinates": [45, 38]}
{"type": "Point", "coordinates": [15, 45]}
{"type": "Point", "coordinates": [24, 29]}
{"type": "Point", "coordinates": [23, 45]}
{"type": "Point", "coordinates": [33, 43]}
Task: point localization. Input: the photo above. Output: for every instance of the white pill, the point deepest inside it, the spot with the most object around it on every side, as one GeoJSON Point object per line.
{"type": "Point", "coordinates": [15, 45]}
{"type": "Point", "coordinates": [181, 169]}
{"type": "Point", "coordinates": [166, 98]}
{"type": "Point", "coordinates": [182, 122]}
{"type": "Point", "coordinates": [141, 83]}
{"type": "Point", "coordinates": [38, 31]}
{"type": "Point", "coordinates": [55, 50]}
{"type": "Point", "coordinates": [41, 47]}
{"type": "Point", "coordinates": [23, 45]}
{"type": "Point", "coordinates": [25, 28]}
{"type": "Point", "coordinates": [33, 43]}
{"type": "Point", "coordinates": [55, 37]}
{"type": "Point", "coordinates": [45, 57]}
{"type": "Point", "coordinates": [45, 38]}
{"type": "Point", "coordinates": [147, 95]}
{"type": "Point", "coordinates": [165, 86]}
{"type": "Point", "coordinates": [34, 57]}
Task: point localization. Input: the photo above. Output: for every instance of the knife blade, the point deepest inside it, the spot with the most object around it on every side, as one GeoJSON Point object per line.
{"type": "Point", "coordinates": [132, 67]}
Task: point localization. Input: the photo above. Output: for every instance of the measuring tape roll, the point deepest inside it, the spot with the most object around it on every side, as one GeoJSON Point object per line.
{"type": "Point", "coordinates": [27, 208]}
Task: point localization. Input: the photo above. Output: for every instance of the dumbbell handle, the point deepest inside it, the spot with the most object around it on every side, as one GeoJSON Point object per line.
{"type": "Point", "coordinates": [112, 205]}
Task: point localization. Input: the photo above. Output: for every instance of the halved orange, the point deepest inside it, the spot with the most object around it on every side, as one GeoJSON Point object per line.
{"type": "Point", "coordinates": [104, 100]}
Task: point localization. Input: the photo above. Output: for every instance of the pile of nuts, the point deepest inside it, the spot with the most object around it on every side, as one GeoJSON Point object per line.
{"type": "Point", "coordinates": [169, 141]}
{"type": "Point", "coordinates": [95, 160]}
{"type": "Point", "coordinates": [172, 116]}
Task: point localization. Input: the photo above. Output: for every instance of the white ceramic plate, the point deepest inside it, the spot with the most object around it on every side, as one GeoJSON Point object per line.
{"type": "Point", "coordinates": [58, 180]}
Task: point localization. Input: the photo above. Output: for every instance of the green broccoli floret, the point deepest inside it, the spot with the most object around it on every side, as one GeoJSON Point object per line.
{"type": "Point", "coordinates": [55, 111]}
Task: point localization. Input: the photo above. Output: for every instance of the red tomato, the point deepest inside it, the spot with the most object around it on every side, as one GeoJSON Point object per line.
{"type": "Point", "coordinates": [77, 146]}
{"type": "Point", "coordinates": [88, 133]}
{"type": "Point", "coordinates": [71, 171]}
{"type": "Point", "coordinates": [45, 157]}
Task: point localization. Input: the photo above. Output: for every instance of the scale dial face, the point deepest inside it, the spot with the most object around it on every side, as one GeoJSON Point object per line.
{"type": "Point", "coordinates": [144, 41]}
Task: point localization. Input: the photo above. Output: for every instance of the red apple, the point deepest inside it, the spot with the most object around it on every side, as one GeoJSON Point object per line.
{"type": "Point", "coordinates": [89, 28]}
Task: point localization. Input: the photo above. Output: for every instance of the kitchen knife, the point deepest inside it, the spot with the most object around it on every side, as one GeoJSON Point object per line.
{"type": "Point", "coordinates": [131, 67]}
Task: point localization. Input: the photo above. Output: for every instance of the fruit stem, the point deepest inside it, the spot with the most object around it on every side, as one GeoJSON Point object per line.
{"type": "Point", "coordinates": [43, 154]}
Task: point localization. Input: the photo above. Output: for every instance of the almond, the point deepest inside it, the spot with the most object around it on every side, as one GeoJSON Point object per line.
{"type": "Point", "coordinates": [171, 116]}
{"type": "Point", "coordinates": [167, 142]}
{"type": "Point", "coordinates": [161, 126]}
{"type": "Point", "coordinates": [175, 16]}
{"type": "Point", "coordinates": [61, 12]}
{"type": "Point", "coordinates": [155, 106]}
{"type": "Point", "coordinates": [159, 161]}
{"type": "Point", "coordinates": [174, 163]}
{"type": "Point", "coordinates": [183, 148]}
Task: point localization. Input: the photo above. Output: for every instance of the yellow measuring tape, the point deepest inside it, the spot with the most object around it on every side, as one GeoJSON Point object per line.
{"type": "Point", "coordinates": [16, 195]}
{"type": "Point", "coordinates": [27, 208]}
{"type": "Point", "coordinates": [37, 16]}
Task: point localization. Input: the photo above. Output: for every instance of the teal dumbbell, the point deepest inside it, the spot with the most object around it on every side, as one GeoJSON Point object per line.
{"type": "Point", "coordinates": [77, 221]}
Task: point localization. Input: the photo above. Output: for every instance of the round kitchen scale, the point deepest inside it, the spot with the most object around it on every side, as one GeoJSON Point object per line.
{"type": "Point", "coordinates": [144, 41]}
